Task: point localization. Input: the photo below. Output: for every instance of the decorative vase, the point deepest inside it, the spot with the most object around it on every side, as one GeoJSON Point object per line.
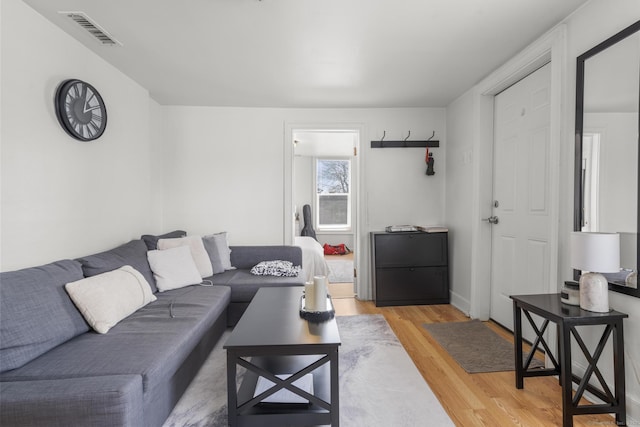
{"type": "Point", "coordinates": [594, 292]}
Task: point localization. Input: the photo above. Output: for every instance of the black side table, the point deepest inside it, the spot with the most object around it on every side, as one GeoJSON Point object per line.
{"type": "Point", "coordinates": [567, 317]}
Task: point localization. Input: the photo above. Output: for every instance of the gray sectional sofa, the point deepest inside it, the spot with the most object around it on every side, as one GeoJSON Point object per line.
{"type": "Point", "coordinates": [56, 371]}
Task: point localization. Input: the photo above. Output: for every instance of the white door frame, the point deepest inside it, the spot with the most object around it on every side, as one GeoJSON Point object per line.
{"type": "Point", "coordinates": [550, 47]}
{"type": "Point", "coordinates": [289, 232]}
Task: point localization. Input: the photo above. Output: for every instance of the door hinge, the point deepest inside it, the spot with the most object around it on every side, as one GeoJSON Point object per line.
{"type": "Point", "coordinates": [355, 273]}
{"type": "Point", "coordinates": [355, 151]}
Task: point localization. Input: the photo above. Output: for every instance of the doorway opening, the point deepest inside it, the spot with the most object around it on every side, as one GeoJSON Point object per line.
{"type": "Point", "coordinates": [324, 178]}
{"type": "Point", "coordinates": [590, 180]}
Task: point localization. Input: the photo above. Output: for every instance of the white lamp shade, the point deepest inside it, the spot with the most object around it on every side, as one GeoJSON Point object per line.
{"type": "Point", "coordinates": [595, 252]}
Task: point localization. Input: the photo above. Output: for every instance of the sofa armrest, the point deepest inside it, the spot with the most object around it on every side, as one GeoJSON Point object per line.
{"type": "Point", "coordinates": [246, 257]}
{"type": "Point", "coordinates": [114, 400]}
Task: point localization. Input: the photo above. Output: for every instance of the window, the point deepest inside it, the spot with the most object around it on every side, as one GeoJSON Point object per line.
{"type": "Point", "coordinates": [333, 194]}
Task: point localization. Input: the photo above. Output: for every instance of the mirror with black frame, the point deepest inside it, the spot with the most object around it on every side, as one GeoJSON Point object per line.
{"type": "Point", "coordinates": [607, 186]}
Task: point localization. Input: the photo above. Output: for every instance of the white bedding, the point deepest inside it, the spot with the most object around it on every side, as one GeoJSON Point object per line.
{"type": "Point", "coordinates": [313, 261]}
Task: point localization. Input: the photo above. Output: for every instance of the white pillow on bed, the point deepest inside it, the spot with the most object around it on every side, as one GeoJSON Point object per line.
{"type": "Point", "coordinates": [105, 299]}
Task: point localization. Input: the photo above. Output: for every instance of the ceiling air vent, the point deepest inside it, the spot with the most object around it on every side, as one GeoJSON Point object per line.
{"type": "Point", "coordinates": [94, 29]}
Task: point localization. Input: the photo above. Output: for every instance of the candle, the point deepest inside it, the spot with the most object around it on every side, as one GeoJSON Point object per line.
{"type": "Point", "coordinates": [309, 297]}
{"type": "Point", "coordinates": [320, 293]}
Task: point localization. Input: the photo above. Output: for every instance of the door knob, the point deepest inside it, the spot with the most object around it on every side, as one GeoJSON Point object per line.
{"type": "Point", "coordinates": [492, 220]}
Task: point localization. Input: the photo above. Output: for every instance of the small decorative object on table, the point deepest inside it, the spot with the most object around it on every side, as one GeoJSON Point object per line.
{"type": "Point", "coordinates": [570, 293]}
{"type": "Point", "coordinates": [317, 316]}
{"type": "Point", "coordinates": [315, 304]}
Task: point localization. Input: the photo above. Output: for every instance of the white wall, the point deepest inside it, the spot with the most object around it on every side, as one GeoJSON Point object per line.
{"type": "Point", "coordinates": [593, 23]}
{"type": "Point", "coordinates": [228, 174]}
{"type": "Point", "coordinates": [224, 170]}
{"type": "Point", "coordinates": [459, 198]}
{"type": "Point", "coordinates": [618, 179]}
{"type": "Point", "coordinates": [61, 197]}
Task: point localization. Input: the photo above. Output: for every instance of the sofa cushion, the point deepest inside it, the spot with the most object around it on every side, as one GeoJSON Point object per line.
{"type": "Point", "coordinates": [222, 250]}
{"type": "Point", "coordinates": [198, 251]}
{"type": "Point", "coordinates": [36, 314]}
{"type": "Point", "coordinates": [223, 278]}
{"type": "Point", "coordinates": [133, 253]}
{"type": "Point", "coordinates": [211, 246]}
{"type": "Point", "coordinates": [107, 298]}
{"type": "Point", "coordinates": [114, 400]}
{"type": "Point", "coordinates": [149, 342]}
{"type": "Point", "coordinates": [245, 257]}
{"type": "Point", "coordinates": [152, 241]}
{"type": "Point", "coordinates": [174, 268]}
{"type": "Point", "coordinates": [244, 285]}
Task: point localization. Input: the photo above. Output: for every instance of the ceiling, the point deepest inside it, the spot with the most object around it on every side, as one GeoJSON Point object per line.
{"type": "Point", "coordinates": [310, 53]}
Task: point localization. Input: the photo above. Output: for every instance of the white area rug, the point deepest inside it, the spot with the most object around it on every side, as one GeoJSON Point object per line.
{"type": "Point", "coordinates": [340, 270]}
{"type": "Point", "coordinates": [379, 384]}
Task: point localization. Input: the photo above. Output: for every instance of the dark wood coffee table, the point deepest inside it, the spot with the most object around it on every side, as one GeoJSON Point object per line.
{"type": "Point", "coordinates": [272, 339]}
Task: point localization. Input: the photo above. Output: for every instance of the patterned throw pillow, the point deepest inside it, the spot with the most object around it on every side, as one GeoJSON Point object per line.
{"type": "Point", "coordinates": [276, 268]}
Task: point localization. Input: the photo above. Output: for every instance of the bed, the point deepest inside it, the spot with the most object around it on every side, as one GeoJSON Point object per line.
{"type": "Point", "coordinates": [313, 261]}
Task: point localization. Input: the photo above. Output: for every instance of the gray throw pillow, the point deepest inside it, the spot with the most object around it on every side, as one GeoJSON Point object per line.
{"type": "Point", "coordinates": [214, 255]}
{"type": "Point", "coordinates": [133, 253]}
{"type": "Point", "coordinates": [152, 241]}
{"type": "Point", "coordinates": [222, 252]}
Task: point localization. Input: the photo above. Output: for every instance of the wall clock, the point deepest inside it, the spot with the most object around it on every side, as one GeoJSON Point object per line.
{"type": "Point", "coordinates": [80, 110]}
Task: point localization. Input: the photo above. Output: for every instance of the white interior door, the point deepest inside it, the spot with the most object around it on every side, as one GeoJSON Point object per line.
{"type": "Point", "coordinates": [521, 188]}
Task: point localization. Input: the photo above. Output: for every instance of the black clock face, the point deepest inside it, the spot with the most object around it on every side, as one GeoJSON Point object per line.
{"type": "Point", "coordinates": [80, 110]}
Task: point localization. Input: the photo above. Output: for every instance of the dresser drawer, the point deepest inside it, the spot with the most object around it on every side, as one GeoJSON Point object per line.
{"type": "Point", "coordinates": [410, 249]}
{"type": "Point", "coordinates": [415, 285]}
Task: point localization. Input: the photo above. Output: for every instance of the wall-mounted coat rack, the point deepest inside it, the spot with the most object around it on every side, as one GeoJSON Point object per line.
{"type": "Point", "coordinates": [405, 143]}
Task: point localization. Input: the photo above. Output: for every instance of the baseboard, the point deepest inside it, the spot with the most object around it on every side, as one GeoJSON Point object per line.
{"type": "Point", "coordinates": [460, 303]}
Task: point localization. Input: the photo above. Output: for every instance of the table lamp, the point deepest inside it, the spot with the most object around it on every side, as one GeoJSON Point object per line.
{"type": "Point", "coordinates": [595, 253]}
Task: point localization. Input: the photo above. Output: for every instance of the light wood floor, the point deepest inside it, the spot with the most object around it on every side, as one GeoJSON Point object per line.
{"type": "Point", "coordinates": [489, 399]}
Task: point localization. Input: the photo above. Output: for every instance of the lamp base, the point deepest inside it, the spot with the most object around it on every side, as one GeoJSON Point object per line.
{"type": "Point", "coordinates": [594, 292]}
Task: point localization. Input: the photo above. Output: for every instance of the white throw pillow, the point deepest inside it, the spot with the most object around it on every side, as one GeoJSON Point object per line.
{"type": "Point", "coordinates": [173, 268]}
{"type": "Point", "coordinates": [222, 245]}
{"type": "Point", "coordinates": [198, 252]}
{"type": "Point", "coordinates": [107, 298]}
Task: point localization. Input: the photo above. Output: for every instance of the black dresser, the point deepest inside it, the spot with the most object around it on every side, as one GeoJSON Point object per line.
{"type": "Point", "coordinates": [410, 268]}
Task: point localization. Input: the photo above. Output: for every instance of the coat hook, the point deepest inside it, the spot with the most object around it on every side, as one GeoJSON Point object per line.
{"type": "Point", "coordinates": [408, 135]}
{"type": "Point", "coordinates": [384, 133]}
{"type": "Point", "coordinates": [432, 135]}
